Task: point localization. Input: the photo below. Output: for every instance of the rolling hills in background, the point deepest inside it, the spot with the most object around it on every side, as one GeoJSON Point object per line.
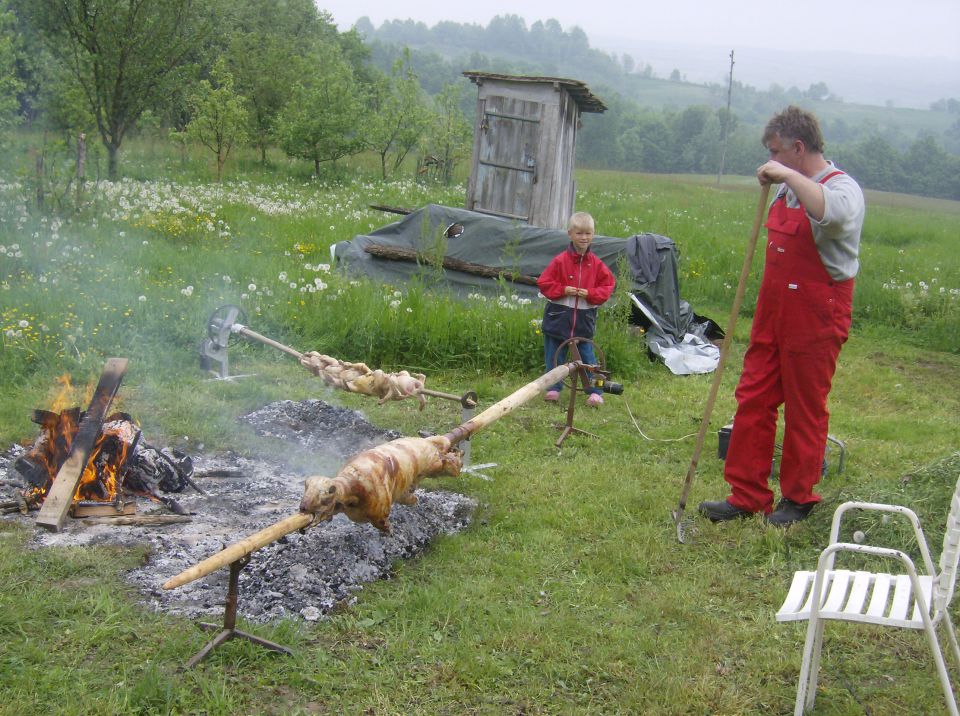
{"type": "Point", "coordinates": [881, 80]}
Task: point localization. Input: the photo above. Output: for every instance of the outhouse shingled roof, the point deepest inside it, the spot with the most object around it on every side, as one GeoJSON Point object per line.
{"type": "Point", "coordinates": [585, 99]}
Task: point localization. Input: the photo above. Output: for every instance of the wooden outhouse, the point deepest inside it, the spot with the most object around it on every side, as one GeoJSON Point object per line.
{"type": "Point", "coordinates": [524, 141]}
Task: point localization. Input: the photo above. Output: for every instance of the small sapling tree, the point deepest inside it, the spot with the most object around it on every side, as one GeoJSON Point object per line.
{"type": "Point", "coordinates": [320, 122]}
{"type": "Point", "coordinates": [219, 118]}
{"type": "Point", "coordinates": [398, 116]}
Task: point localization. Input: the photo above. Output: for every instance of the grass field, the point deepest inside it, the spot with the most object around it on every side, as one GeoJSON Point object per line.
{"type": "Point", "coordinates": [569, 593]}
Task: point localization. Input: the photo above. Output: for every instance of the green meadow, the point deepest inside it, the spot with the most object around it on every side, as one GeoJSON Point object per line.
{"type": "Point", "coordinates": [568, 593]}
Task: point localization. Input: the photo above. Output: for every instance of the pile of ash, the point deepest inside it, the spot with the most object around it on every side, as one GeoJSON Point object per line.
{"type": "Point", "coordinates": [305, 573]}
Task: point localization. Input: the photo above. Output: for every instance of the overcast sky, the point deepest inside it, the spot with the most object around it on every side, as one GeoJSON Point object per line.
{"type": "Point", "coordinates": [903, 28]}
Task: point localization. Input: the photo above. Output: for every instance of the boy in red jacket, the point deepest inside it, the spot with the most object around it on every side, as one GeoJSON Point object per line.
{"type": "Point", "coordinates": [575, 284]}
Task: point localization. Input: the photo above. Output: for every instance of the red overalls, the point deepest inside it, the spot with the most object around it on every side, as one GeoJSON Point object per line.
{"type": "Point", "coordinates": [802, 320]}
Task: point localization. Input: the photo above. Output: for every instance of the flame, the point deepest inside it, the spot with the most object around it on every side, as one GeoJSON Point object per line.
{"type": "Point", "coordinates": [64, 395]}
{"type": "Point", "coordinates": [68, 394]}
{"type": "Point", "coordinates": [101, 479]}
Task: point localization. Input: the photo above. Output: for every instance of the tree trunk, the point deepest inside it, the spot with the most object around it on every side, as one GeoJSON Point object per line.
{"type": "Point", "coordinates": [81, 165]}
{"type": "Point", "coordinates": [112, 151]}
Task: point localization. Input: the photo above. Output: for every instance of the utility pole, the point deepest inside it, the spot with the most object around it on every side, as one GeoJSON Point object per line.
{"type": "Point", "coordinates": [725, 129]}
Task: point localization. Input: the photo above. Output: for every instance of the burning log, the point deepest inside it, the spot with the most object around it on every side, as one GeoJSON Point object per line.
{"type": "Point", "coordinates": [60, 496]}
{"type": "Point", "coordinates": [366, 487]}
{"type": "Point", "coordinates": [117, 463]}
{"type": "Point", "coordinates": [40, 464]}
{"type": "Point", "coordinates": [399, 253]}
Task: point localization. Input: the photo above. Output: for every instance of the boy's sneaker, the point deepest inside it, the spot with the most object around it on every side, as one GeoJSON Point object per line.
{"type": "Point", "coordinates": [552, 396]}
{"type": "Point", "coordinates": [595, 400]}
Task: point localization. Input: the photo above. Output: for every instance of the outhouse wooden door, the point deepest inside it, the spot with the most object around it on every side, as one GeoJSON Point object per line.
{"type": "Point", "coordinates": [507, 157]}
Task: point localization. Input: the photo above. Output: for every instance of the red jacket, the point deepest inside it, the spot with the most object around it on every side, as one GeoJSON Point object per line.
{"type": "Point", "coordinates": [566, 316]}
{"type": "Point", "coordinates": [569, 268]}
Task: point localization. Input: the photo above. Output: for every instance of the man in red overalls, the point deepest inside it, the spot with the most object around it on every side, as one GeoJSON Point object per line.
{"type": "Point", "coordinates": [802, 319]}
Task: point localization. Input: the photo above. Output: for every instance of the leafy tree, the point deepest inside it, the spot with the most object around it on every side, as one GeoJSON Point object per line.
{"type": "Point", "coordinates": [398, 116]}
{"type": "Point", "coordinates": [219, 117]}
{"type": "Point", "coordinates": [929, 171]}
{"type": "Point", "coordinates": [320, 121]}
{"type": "Point", "coordinates": [506, 32]}
{"type": "Point", "coordinates": [874, 162]}
{"type": "Point", "coordinates": [263, 54]}
{"type": "Point", "coordinates": [10, 85]}
{"type": "Point", "coordinates": [817, 92]}
{"type": "Point", "coordinates": [647, 145]}
{"type": "Point", "coordinates": [124, 54]}
{"type": "Point", "coordinates": [449, 136]}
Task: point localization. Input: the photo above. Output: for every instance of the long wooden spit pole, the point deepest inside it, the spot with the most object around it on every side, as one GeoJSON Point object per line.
{"type": "Point", "coordinates": [244, 331]}
{"type": "Point", "coordinates": [510, 403]}
{"type": "Point", "coordinates": [302, 520]}
{"type": "Point", "coordinates": [241, 549]}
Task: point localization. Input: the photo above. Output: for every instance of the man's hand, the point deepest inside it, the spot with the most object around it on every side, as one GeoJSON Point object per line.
{"type": "Point", "coordinates": [809, 192]}
{"type": "Point", "coordinates": [773, 172]}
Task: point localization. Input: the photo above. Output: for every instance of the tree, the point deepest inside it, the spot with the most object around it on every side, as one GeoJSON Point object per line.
{"type": "Point", "coordinates": [320, 122]}
{"type": "Point", "coordinates": [219, 117]}
{"type": "Point", "coordinates": [124, 54]}
{"type": "Point", "coordinates": [448, 139]}
{"type": "Point", "coordinates": [10, 85]}
{"type": "Point", "coordinates": [398, 116]}
{"type": "Point", "coordinates": [874, 162]}
{"type": "Point", "coordinates": [817, 92]}
{"type": "Point", "coordinates": [263, 54]}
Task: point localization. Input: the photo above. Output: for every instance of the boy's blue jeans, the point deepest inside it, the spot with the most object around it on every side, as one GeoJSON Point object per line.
{"type": "Point", "coordinates": [550, 345]}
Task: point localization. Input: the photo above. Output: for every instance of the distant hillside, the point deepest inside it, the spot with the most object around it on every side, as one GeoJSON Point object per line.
{"type": "Point", "coordinates": [663, 77]}
{"type": "Point", "coordinates": [913, 83]}
{"type": "Point", "coordinates": [674, 125]}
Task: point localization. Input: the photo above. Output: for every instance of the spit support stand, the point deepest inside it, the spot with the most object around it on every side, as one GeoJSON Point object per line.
{"type": "Point", "coordinates": [229, 631]}
{"type": "Point", "coordinates": [579, 375]}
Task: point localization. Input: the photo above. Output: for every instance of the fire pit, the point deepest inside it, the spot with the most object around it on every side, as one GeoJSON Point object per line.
{"type": "Point", "coordinates": [304, 574]}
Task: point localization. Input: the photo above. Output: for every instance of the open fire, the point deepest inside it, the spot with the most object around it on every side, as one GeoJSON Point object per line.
{"type": "Point", "coordinates": [120, 463]}
{"type": "Point", "coordinates": [102, 476]}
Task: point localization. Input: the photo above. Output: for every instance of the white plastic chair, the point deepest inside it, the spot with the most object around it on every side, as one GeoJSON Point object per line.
{"type": "Point", "coordinates": [906, 600]}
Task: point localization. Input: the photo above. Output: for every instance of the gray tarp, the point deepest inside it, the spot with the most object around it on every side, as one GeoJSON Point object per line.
{"type": "Point", "coordinates": [515, 247]}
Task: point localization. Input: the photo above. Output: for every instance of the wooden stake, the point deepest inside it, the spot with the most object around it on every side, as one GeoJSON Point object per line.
{"type": "Point", "coordinates": [58, 500]}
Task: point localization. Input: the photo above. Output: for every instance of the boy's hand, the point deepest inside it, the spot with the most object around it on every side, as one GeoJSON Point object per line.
{"type": "Point", "coordinates": [574, 291]}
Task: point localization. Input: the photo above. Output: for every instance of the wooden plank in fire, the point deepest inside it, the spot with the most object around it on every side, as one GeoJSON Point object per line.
{"type": "Point", "coordinates": [57, 503]}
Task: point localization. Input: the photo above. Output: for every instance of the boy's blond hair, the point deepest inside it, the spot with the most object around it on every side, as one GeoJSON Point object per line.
{"type": "Point", "coordinates": [581, 219]}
